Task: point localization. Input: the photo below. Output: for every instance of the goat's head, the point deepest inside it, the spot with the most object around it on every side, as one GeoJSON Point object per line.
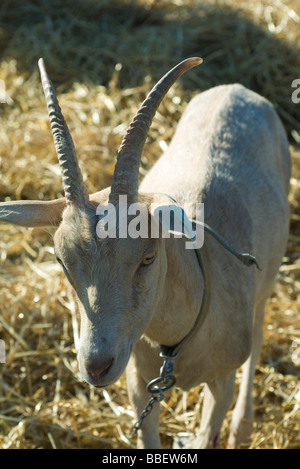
{"type": "Point", "coordinates": [117, 280]}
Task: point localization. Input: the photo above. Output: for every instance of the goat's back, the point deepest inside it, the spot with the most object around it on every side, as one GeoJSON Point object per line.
{"type": "Point", "coordinates": [229, 130]}
{"type": "Point", "coordinates": [231, 152]}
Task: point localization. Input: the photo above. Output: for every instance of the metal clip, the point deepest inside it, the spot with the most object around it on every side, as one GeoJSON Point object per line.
{"type": "Point", "coordinates": [167, 382]}
{"type": "Point", "coordinates": [168, 365]}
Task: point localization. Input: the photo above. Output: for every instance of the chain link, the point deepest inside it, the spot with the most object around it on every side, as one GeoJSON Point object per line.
{"type": "Point", "coordinates": [147, 410]}
{"type": "Point", "coordinates": [157, 392]}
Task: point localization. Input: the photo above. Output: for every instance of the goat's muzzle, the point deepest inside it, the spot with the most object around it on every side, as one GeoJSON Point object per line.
{"type": "Point", "coordinates": [101, 367]}
{"type": "Point", "coordinates": [98, 371]}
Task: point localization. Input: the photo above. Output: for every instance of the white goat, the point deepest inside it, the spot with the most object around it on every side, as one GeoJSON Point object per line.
{"type": "Point", "coordinates": [230, 152]}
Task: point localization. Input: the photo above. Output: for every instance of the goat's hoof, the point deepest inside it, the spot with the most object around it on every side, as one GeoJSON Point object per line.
{"type": "Point", "coordinates": [183, 440]}
{"type": "Point", "coordinates": [190, 441]}
{"type": "Point", "coordinates": [240, 434]}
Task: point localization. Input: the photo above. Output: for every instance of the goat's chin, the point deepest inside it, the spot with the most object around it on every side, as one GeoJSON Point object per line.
{"type": "Point", "coordinates": [109, 376]}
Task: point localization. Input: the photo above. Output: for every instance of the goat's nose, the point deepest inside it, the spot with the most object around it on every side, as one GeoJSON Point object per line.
{"type": "Point", "coordinates": [97, 369]}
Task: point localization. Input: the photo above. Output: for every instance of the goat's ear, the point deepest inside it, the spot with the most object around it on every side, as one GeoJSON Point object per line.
{"type": "Point", "coordinates": [173, 220]}
{"type": "Point", "coordinates": [171, 217]}
{"type": "Point", "coordinates": [33, 212]}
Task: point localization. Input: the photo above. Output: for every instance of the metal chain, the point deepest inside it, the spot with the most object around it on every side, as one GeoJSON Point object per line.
{"type": "Point", "coordinates": [157, 392]}
{"type": "Point", "coordinates": [146, 411]}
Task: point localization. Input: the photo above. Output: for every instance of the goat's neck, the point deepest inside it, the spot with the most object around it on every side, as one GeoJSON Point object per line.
{"type": "Point", "coordinates": [179, 305]}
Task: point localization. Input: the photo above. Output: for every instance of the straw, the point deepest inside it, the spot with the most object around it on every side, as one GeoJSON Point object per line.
{"type": "Point", "coordinates": [103, 58]}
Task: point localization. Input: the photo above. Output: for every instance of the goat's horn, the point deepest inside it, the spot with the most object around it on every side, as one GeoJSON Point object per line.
{"type": "Point", "coordinates": [74, 187]}
{"type": "Point", "coordinates": [126, 174]}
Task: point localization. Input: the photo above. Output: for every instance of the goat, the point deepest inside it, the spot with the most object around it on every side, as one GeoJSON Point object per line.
{"type": "Point", "coordinates": [230, 152]}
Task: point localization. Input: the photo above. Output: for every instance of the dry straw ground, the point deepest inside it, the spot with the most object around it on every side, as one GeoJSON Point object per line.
{"type": "Point", "coordinates": [103, 57]}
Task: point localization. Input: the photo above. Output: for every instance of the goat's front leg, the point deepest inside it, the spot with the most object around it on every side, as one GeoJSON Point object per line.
{"type": "Point", "coordinates": [148, 435]}
{"type": "Point", "coordinates": [218, 396]}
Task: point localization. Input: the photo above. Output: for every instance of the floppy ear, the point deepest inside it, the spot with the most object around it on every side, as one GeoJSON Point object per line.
{"type": "Point", "coordinates": [33, 212]}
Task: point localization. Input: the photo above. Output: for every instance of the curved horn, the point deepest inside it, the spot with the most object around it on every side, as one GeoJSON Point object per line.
{"type": "Point", "coordinates": [74, 187]}
{"type": "Point", "coordinates": [126, 174]}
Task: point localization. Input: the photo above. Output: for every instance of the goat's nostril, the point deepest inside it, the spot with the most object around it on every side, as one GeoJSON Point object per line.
{"type": "Point", "coordinates": [99, 368]}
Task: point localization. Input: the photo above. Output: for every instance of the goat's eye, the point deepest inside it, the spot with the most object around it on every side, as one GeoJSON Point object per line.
{"type": "Point", "coordinates": [148, 259]}
{"type": "Point", "coordinates": [59, 260]}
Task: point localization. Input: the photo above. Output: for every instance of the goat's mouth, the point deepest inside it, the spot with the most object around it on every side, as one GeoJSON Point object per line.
{"type": "Point", "coordinates": [105, 371]}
